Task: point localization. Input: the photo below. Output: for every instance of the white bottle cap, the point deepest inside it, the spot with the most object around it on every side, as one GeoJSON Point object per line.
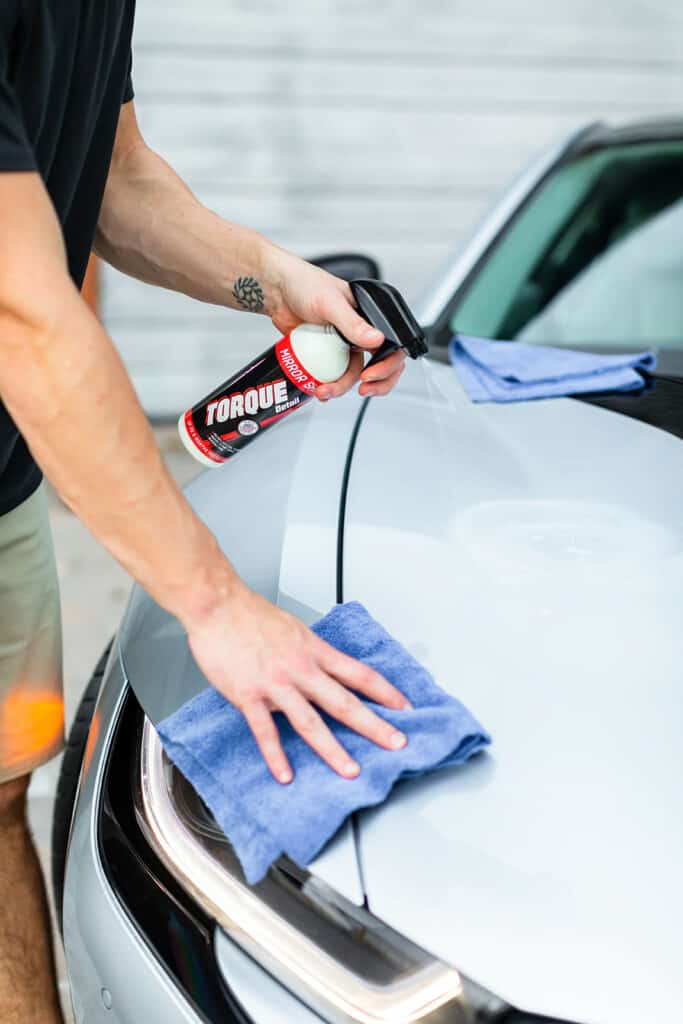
{"type": "Point", "coordinates": [321, 351]}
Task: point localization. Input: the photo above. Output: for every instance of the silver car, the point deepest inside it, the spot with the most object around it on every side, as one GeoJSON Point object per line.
{"type": "Point", "coordinates": [531, 555]}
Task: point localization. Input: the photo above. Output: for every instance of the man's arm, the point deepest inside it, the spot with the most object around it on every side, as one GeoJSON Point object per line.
{"type": "Point", "coordinates": [65, 387]}
{"type": "Point", "coordinates": [152, 227]}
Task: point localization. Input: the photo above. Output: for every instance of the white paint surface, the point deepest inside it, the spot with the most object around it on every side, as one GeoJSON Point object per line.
{"type": "Point", "coordinates": [531, 556]}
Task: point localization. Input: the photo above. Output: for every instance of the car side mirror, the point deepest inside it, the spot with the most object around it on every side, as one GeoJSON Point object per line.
{"type": "Point", "coordinates": [349, 266]}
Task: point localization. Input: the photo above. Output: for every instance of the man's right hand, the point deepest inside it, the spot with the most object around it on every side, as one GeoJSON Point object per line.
{"type": "Point", "coordinates": [263, 660]}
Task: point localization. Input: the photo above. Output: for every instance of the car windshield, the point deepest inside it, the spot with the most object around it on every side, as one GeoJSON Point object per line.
{"type": "Point", "coordinates": [593, 260]}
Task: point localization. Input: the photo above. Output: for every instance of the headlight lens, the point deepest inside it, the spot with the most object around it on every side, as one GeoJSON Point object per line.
{"type": "Point", "coordinates": [338, 958]}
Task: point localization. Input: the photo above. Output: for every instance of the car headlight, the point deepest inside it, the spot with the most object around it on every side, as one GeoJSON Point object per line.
{"type": "Point", "coordinates": [337, 957]}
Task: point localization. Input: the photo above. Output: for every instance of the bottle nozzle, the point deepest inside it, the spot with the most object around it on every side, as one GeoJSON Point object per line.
{"type": "Point", "coordinates": [384, 307]}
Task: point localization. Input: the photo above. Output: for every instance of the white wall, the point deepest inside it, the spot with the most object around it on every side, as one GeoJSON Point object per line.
{"type": "Point", "coordinates": [344, 124]}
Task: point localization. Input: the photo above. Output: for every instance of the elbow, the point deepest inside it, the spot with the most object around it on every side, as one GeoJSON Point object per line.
{"type": "Point", "coordinates": [29, 321]}
{"type": "Point", "coordinates": [21, 322]}
{"type": "Point", "coordinates": [122, 190]}
{"type": "Point", "coordinates": [108, 242]}
{"type": "Point", "coordinates": [102, 247]}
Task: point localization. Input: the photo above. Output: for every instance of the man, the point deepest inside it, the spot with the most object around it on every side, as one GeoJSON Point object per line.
{"type": "Point", "coordinates": [75, 172]}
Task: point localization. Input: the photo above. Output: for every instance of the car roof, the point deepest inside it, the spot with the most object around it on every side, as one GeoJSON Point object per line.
{"type": "Point", "coordinates": [601, 136]}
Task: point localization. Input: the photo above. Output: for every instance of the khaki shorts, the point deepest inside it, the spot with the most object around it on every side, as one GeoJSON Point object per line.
{"type": "Point", "coordinates": [31, 697]}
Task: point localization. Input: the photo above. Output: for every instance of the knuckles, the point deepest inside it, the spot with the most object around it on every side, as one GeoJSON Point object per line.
{"type": "Point", "coordinates": [278, 685]}
{"type": "Point", "coordinates": [367, 678]}
{"type": "Point", "coordinates": [307, 721]}
{"type": "Point", "coordinates": [346, 705]}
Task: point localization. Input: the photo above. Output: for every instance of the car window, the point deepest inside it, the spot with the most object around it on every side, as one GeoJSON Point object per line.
{"type": "Point", "coordinates": [594, 259]}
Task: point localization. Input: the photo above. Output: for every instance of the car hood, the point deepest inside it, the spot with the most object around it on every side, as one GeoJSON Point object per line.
{"type": "Point", "coordinates": [531, 555]}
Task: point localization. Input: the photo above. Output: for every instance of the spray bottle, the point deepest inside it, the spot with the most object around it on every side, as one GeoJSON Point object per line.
{"type": "Point", "coordinates": [285, 376]}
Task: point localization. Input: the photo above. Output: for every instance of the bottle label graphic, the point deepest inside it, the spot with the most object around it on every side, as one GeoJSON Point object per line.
{"type": "Point", "coordinates": [275, 384]}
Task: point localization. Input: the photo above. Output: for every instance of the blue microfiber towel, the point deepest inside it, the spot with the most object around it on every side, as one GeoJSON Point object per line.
{"type": "Point", "coordinates": [505, 371]}
{"type": "Point", "coordinates": [212, 745]}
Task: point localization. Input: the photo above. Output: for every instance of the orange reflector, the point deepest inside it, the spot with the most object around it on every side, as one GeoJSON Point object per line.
{"type": "Point", "coordinates": [31, 722]}
{"type": "Point", "coordinates": [91, 742]}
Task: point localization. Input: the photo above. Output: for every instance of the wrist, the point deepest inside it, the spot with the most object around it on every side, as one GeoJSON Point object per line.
{"type": "Point", "coordinates": [271, 261]}
{"type": "Point", "coordinates": [213, 588]}
{"type": "Point", "coordinates": [252, 274]}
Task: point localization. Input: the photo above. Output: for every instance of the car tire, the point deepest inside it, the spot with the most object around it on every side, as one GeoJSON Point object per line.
{"type": "Point", "coordinates": [67, 784]}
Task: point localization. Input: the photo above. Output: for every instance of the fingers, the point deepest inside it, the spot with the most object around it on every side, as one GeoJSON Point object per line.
{"type": "Point", "coordinates": [361, 677]}
{"type": "Point", "coordinates": [266, 735]}
{"type": "Point", "coordinates": [339, 311]}
{"type": "Point", "coordinates": [307, 722]}
{"type": "Point", "coordinates": [347, 708]}
{"type": "Point", "coordinates": [377, 380]}
{"type": "Point", "coordinates": [326, 689]}
{"type": "Point", "coordinates": [345, 383]}
{"type": "Point", "coordinates": [333, 697]}
{"type": "Point", "coordinates": [387, 367]}
{"type": "Point", "coordinates": [381, 378]}
{"type": "Point", "coordinates": [377, 390]}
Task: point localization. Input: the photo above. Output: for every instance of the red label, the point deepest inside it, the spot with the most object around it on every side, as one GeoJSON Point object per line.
{"type": "Point", "coordinates": [292, 368]}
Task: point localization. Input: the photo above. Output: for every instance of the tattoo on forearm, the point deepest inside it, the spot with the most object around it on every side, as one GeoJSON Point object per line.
{"type": "Point", "coordinates": [249, 293]}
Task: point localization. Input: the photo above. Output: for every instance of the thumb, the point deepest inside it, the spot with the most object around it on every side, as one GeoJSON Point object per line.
{"type": "Point", "coordinates": [341, 314]}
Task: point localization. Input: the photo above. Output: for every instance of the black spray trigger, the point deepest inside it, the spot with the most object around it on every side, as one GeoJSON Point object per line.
{"type": "Point", "coordinates": [387, 348]}
{"type": "Point", "coordinates": [384, 307]}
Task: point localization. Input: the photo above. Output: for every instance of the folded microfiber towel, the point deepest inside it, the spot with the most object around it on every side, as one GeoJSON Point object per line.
{"type": "Point", "coordinates": [506, 371]}
{"type": "Point", "coordinates": [210, 742]}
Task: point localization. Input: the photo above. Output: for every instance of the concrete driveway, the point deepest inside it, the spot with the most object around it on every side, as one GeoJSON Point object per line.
{"type": "Point", "coordinates": [94, 591]}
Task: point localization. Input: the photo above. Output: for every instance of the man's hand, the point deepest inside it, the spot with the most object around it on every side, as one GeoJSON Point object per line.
{"type": "Point", "coordinates": [303, 293]}
{"type": "Point", "coordinates": [264, 660]}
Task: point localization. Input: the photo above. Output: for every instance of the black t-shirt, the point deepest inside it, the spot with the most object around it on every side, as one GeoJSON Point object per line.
{"type": "Point", "coordinates": [64, 73]}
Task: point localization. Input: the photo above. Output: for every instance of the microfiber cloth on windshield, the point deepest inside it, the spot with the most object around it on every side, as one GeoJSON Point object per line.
{"type": "Point", "coordinates": [505, 371]}
{"type": "Point", "coordinates": [210, 742]}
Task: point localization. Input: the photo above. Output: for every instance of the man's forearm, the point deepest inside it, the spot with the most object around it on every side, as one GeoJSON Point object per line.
{"type": "Point", "coordinates": [152, 227]}
{"type": "Point", "coordinates": [94, 443]}
{"type": "Point", "coordinates": [66, 388]}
